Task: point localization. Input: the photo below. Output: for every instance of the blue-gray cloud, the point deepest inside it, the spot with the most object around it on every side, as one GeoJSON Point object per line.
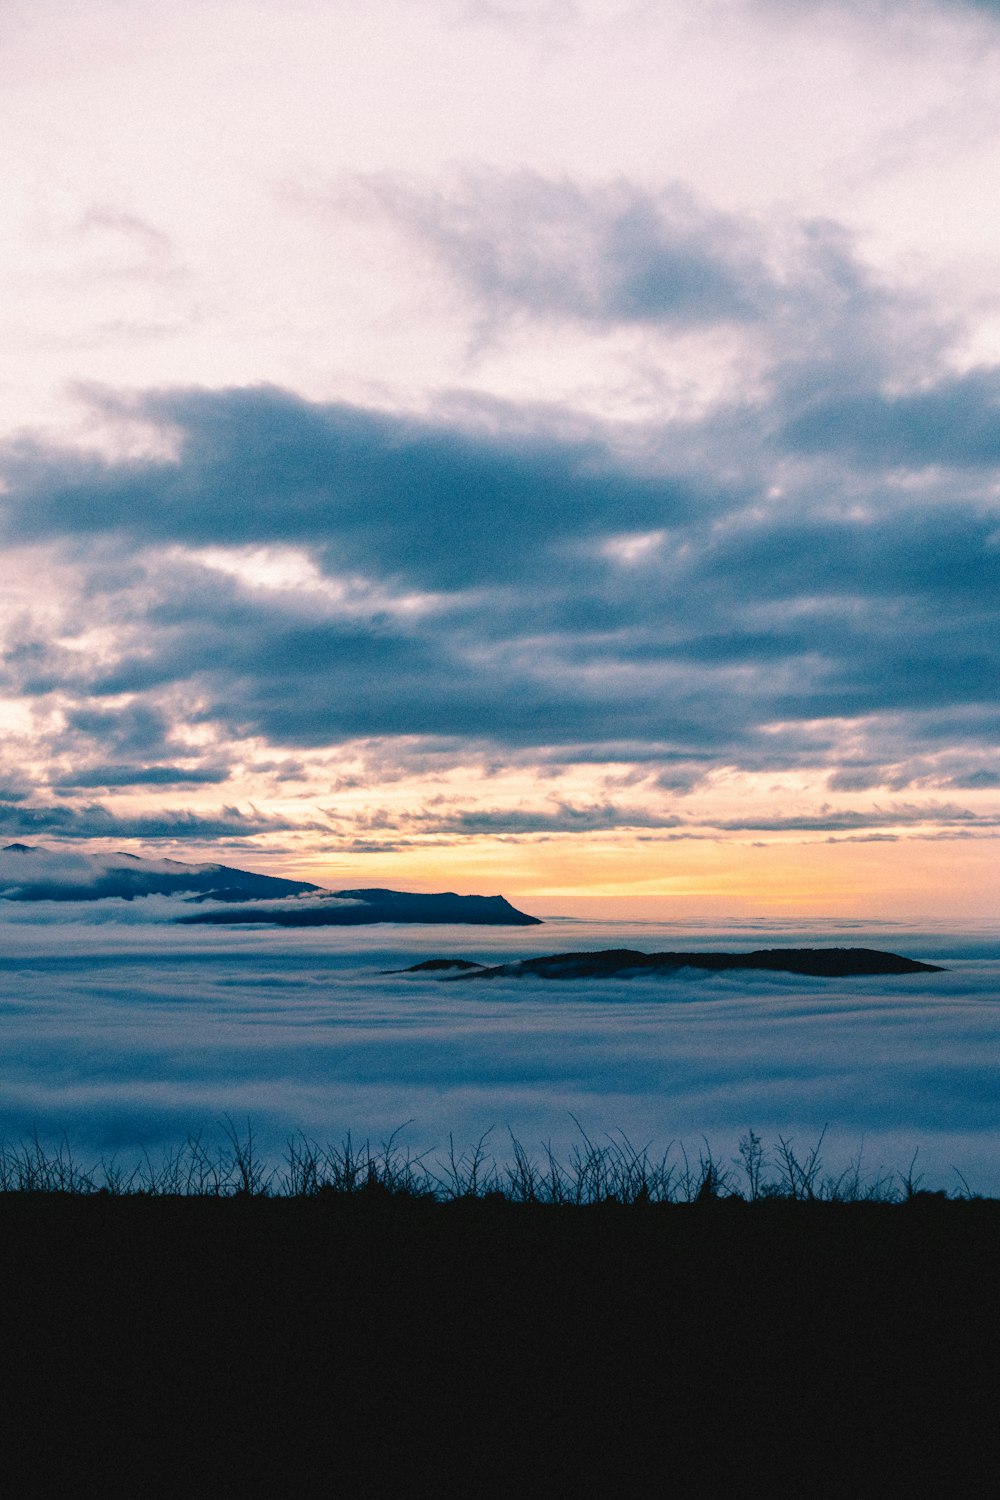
{"type": "Point", "coordinates": [564, 817]}
{"type": "Point", "coordinates": [561, 817]}
{"type": "Point", "coordinates": [523, 243]}
{"type": "Point", "coordinates": [439, 505]}
{"type": "Point", "coordinates": [831, 821]}
{"type": "Point", "coordinates": [130, 776]}
{"type": "Point", "coordinates": [832, 601]}
{"type": "Point", "coordinates": [955, 423]}
{"type": "Point", "coordinates": [94, 821]}
{"type": "Point", "coordinates": [136, 728]}
{"type": "Point", "coordinates": [975, 780]}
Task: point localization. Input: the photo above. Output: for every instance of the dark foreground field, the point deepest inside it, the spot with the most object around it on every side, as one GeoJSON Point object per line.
{"type": "Point", "coordinates": [367, 1345]}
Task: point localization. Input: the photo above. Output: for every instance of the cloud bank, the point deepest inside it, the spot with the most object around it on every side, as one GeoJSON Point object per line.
{"type": "Point", "coordinates": [125, 1040]}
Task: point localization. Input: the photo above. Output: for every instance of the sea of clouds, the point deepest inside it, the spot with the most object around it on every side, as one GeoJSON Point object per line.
{"type": "Point", "coordinates": [123, 1034]}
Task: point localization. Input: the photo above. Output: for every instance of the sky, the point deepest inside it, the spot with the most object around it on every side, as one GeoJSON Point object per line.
{"type": "Point", "coordinates": [487, 445]}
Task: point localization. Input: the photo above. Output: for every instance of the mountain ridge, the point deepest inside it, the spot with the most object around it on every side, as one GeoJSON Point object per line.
{"type": "Point", "coordinates": [358, 907]}
{"type": "Point", "coordinates": [35, 873]}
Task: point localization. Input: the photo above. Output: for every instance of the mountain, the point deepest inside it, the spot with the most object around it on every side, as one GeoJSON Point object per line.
{"type": "Point", "coordinates": [613, 963]}
{"type": "Point", "coordinates": [354, 908]}
{"type": "Point", "coordinates": [35, 873]}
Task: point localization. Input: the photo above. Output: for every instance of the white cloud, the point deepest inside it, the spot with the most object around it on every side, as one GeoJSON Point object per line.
{"type": "Point", "coordinates": [158, 143]}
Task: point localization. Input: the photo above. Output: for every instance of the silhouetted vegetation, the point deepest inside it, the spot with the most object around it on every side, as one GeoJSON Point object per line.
{"type": "Point", "coordinates": [611, 1171]}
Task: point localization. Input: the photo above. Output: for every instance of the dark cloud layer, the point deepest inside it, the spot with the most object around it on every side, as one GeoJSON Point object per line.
{"type": "Point", "coordinates": [95, 821]}
{"type": "Point", "coordinates": [132, 776]}
{"type": "Point", "coordinates": [956, 423]}
{"type": "Point", "coordinates": [539, 627]}
{"type": "Point", "coordinates": [563, 817]}
{"type": "Point", "coordinates": [432, 503]}
{"type": "Point", "coordinates": [723, 590]}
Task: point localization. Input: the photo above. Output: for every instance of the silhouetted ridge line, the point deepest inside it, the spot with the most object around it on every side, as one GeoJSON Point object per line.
{"type": "Point", "coordinates": [357, 908]}
{"type": "Point", "coordinates": [823, 963]}
{"type": "Point", "coordinates": [36, 873]}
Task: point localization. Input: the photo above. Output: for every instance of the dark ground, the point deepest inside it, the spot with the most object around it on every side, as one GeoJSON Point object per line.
{"type": "Point", "coordinates": [365, 1346]}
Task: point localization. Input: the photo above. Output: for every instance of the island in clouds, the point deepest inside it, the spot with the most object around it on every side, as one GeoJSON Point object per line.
{"type": "Point", "coordinates": [37, 873]}
{"type": "Point", "coordinates": [615, 963]}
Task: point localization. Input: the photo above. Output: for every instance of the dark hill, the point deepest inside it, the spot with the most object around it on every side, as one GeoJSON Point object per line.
{"type": "Point", "coordinates": [356, 908]}
{"type": "Point", "coordinates": [823, 963]}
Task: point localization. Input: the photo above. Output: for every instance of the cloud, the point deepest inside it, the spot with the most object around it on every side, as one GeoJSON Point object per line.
{"type": "Point", "coordinates": [833, 820]}
{"type": "Point", "coordinates": [956, 423]}
{"type": "Point", "coordinates": [95, 821]}
{"type": "Point", "coordinates": [430, 501]}
{"type": "Point", "coordinates": [464, 591]}
{"type": "Point", "coordinates": [135, 727]}
{"type": "Point", "coordinates": [975, 780]}
{"type": "Point", "coordinates": [521, 242]}
{"type": "Point", "coordinates": [560, 817]}
{"type": "Point", "coordinates": [131, 776]}
{"type": "Point", "coordinates": [119, 245]}
{"type": "Point", "coordinates": [131, 1039]}
{"type": "Point", "coordinates": [551, 257]}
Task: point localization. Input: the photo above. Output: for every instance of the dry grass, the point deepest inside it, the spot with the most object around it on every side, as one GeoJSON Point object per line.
{"type": "Point", "coordinates": [609, 1171]}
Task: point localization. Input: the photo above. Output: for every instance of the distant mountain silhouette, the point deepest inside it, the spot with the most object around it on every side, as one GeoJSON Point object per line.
{"type": "Point", "coordinates": [438, 966]}
{"type": "Point", "coordinates": [34, 873]}
{"type": "Point", "coordinates": [824, 963]}
{"type": "Point", "coordinates": [355, 908]}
